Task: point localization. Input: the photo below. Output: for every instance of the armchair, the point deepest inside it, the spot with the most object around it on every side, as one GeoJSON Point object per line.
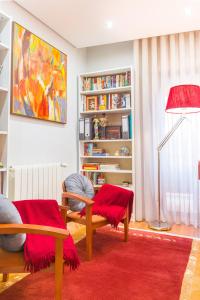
{"type": "Point", "coordinates": [13, 262]}
{"type": "Point", "coordinates": [91, 221]}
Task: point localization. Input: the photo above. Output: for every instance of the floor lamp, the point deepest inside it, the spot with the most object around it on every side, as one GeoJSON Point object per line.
{"type": "Point", "coordinates": [183, 99]}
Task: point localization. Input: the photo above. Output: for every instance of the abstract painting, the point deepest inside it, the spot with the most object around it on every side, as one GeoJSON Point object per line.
{"type": "Point", "coordinates": [39, 78]}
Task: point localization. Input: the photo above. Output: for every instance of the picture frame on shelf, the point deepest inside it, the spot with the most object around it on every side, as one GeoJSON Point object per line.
{"type": "Point", "coordinates": [91, 103]}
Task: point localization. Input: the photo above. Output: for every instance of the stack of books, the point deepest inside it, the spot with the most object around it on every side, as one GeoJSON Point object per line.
{"type": "Point", "coordinates": [98, 152]}
{"type": "Point", "coordinates": [90, 149]}
{"type": "Point", "coordinates": [105, 167]}
{"type": "Point", "coordinates": [90, 166]}
{"type": "Point", "coordinates": [107, 81]}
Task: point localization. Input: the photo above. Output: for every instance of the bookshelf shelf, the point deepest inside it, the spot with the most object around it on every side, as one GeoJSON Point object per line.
{"type": "Point", "coordinates": [106, 108]}
{"type": "Point", "coordinates": [121, 89]}
{"type": "Point", "coordinates": [107, 141]}
{"type": "Point", "coordinates": [2, 132]}
{"type": "Point", "coordinates": [3, 47]}
{"type": "Point", "coordinates": [107, 111]}
{"type": "Point", "coordinates": [107, 156]}
{"type": "Point", "coordinates": [130, 187]}
{"type": "Point", "coordinates": [108, 171]}
{"type": "Point", "coordinates": [3, 90]}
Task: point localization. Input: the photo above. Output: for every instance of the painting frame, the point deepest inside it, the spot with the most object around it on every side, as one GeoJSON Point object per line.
{"type": "Point", "coordinates": [59, 102]}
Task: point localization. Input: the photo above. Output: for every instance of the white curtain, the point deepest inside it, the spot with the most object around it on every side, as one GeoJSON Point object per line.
{"type": "Point", "coordinates": [160, 63]}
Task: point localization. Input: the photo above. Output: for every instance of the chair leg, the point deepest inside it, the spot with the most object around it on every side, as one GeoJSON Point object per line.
{"type": "Point", "coordinates": [58, 269]}
{"type": "Point", "coordinates": [89, 238]}
{"type": "Point", "coordinates": [5, 277]}
{"type": "Point", "coordinates": [126, 224]}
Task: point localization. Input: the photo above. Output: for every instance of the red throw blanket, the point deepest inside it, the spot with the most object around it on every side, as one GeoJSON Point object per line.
{"type": "Point", "coordinates": [39, 250]}
{"type": "Point", "coordinates": [111, 202]}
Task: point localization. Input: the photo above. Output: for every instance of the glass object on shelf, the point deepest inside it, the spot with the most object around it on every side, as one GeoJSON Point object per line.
{"type": "Point", "coordinates": [124, 151]}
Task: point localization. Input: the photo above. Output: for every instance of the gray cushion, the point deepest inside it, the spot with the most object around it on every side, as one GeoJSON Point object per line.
{"type": "Point", "coordinates": [10, 215]}
{"type": "Point", "coordinates": [78, 184]}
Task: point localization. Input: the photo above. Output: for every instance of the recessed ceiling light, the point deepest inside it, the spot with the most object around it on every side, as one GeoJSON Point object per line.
{"type": "Point", "coordinates": [109, 24]}
{"type": "Point", "coordinates": [188, 11]}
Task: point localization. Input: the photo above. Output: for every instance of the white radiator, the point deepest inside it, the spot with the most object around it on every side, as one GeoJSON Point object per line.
{"type": "Point", "coordinates": [42, 181]}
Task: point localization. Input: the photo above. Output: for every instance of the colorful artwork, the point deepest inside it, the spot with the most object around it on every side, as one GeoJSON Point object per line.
{"type": "Point", "coordinates": [39, 78]}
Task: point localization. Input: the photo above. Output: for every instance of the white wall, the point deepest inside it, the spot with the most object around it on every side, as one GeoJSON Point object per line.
{"type": "Point", "coordinates": [109, 56]}
{"type": "Point", "coordinates": [34, 141]}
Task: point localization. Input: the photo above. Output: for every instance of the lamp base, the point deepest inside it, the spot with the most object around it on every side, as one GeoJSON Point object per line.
{"type": "Point", "coordinates": [159, 226]}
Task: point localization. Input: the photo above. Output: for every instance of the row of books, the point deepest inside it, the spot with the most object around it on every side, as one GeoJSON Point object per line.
{"type": "Point", "coordinates": [88, 130]}
{"type": "Point", "coordinates": [96, 178]}
{"type": "Point", "coordinates": [99, 166]}
{"type": "Point", "coordinates": [107, 81]}
{"type": "Point", "coordinates": [107, 101]}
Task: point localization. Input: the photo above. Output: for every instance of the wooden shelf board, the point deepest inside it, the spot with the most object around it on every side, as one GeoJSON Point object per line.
{"type": "Point", "coordinates": [107, 111]}
{"type": "Point", "coordinates": [108, 171]}
{"type": "Point", "coordinates": [107, 156]}
{"type": "Point", "coordinates": [107, 91]}
{"type": "Point", "coordinates": [107, 72]}
{"type": "Point", "coordinates": [3, 89]}
{"type": "Point", "coordinates": [105, 141]}
{"type": "Point", "coordinates": [130, 187]}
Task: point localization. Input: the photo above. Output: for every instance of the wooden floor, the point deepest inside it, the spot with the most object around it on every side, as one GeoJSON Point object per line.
{"type": "Point", "coordinates": [176, 229]}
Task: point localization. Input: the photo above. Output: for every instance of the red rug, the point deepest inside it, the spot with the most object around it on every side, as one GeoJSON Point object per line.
{"type": "Point", "coordinates": [148, 267]}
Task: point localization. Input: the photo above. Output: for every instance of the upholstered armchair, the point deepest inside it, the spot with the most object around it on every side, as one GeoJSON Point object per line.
{"type": "Point", "coordinates": [13, 262]}
{"type": "Point", "coordinates": [91, 221]}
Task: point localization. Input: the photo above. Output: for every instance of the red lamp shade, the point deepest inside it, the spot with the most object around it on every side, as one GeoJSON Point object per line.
{"type": "Point", "coordinates": [184, 99]}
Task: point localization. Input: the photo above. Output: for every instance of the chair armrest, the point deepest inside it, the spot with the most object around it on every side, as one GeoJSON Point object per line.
{"type": "Point", "coordinates": [86, 200]}
{"type": "Point", "coordinates": [63, 211]}
{"type": "Point", "coordinates": [35, 229]}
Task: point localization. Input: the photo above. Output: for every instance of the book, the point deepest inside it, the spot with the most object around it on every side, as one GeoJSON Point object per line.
{"type": "Point", "coordinates": [125, 100]}
{"type": "Point", "coordinates": [81, 128]}
{"type": "Point", "coordinates": [105, 167]}
{"type": "Point", "coordinates": [88, 129]}
{"type": "Point", "coordinates": [88, 149]}
{"type": "Point", "coordinates": [102, 102]}
{"type": "Point", "coordinates": [90, 166]}
{"type": "Point", "coordinates": [125, 127]}
{"type": "Point", "coordinates": [130, 126]}
{"type": "Point", "coordinates": [115, 102]}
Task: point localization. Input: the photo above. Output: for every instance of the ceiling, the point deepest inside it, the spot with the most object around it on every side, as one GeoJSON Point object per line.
{"type": "Point", "coordinates": [86, 23]}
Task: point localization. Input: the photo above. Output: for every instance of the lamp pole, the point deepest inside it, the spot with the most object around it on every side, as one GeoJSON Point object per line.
{"type": "Point", "coordinates": [158, 224]}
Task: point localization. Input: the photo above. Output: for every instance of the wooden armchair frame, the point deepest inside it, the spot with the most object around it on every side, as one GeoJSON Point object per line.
{"type": "Point", "coordinates": [14, 261]}
{"type": "Point", "coordinates": [91, 222]}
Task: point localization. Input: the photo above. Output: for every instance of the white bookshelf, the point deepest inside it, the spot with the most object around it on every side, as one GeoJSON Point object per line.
{"type": "Point", "coordinates": [5, 71]}
{"type": "Point", "coordinates": [124, 172]}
